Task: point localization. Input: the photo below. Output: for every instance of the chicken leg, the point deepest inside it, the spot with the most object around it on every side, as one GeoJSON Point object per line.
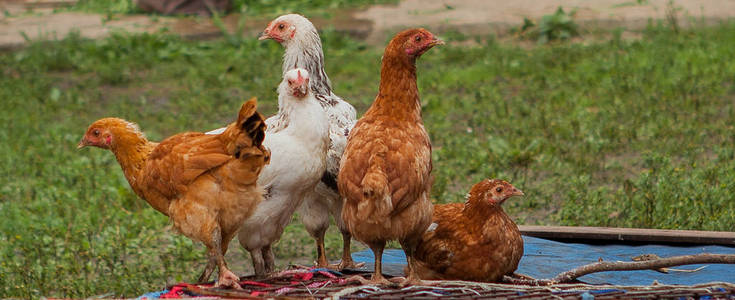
{"type": "Point", "coordinates": [347, 262]}
{"type": "Point", "coordinates": [314, 213]}
{"type": "Point", "coordinates": [378, 279]}
{"type": "Point", "coordinates": [258, 262]}
{"type": "Point", "coordinates": [412, 278]}
{"type": "Point", "coordinates": [212, 262]}
{"type": "Point", "coordinates": [270, 260]}
{"type": "Point", "coordinates": [226, 278]}
{"type": "Point", "coordinates": [321, 256]}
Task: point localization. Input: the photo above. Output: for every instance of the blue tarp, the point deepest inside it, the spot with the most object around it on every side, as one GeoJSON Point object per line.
{"type": "Point", "coordinates": [545, 259]}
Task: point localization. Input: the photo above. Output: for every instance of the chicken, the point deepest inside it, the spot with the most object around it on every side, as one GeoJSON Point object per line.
{"type": "Point", "coordinates": [206, 184]}
{"type": "Point", "coordinates": [385, 176]}
{"type": "Point", "coordinates": [304, 50]}
{"type": "Point", "coordinates": [299, 138]}
{"type": "Point", "coordinates": [472, 241]}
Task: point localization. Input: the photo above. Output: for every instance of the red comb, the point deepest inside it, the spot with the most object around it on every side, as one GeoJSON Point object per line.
{"type": "Point", "coordinates": [299, 79]}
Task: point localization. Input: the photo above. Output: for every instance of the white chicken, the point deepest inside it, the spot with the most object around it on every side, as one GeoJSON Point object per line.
{"type": "Point", "coordinates": [304, 50]}
{"type": "Point", "coordinates": [298, 138]}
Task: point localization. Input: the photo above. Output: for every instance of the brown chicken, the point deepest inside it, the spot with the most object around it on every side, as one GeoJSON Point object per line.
{"type": "Point", "coordinates": [472, 241]}
{"type": "Point", "coordinates": [206, 184]}
{"type": "Point", "coordinates": [385, 173]}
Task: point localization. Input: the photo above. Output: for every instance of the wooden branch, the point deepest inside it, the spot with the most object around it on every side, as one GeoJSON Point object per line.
{"type": "Point", "coordinates": [704, 258]}
{"type": "Point", "coordinates": [603, 266]}
{"type": "Point", "coordinates": [576, 233]}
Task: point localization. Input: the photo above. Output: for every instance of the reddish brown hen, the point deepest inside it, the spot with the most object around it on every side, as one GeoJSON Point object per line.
{"type": "Point", "coordinates": [472, 241]}
{"type": "Point", "coordinates": [206, 184]}
{"type": "Point", "coordinates": [385, 172]}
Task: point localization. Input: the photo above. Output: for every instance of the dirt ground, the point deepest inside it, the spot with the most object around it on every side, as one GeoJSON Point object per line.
{"type": "Point", "coordinates": [478, 17]}
{"type": "Point", "coordinates": [374, 24]}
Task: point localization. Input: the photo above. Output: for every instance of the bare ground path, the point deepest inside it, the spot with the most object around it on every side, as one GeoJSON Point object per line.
{"type": "Point", "coordinates": [374, 24]}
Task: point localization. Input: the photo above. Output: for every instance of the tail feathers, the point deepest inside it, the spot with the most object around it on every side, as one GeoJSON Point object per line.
{"type": "Point", "coordinates": [376, 195]}
{"type": "Point", "coordinates": [252, 122]}
{"type": "Point", "coordinates": [245, 137]}
{"type": "Point", "coordinates": [255, 126]}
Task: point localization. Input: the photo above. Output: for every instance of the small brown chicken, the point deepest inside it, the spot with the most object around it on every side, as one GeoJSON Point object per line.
{"type": "Point", "coordinates": [206, 184]}
{"type": "Point", "coordinates": [472, 241]}
{"type": "Point", "coordinates": [385, 172]}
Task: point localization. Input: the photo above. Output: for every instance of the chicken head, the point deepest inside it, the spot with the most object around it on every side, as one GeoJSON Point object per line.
{"type": "Point", "coordinates": [298, 82]}
{"type": "Point", "coordinates": [416, 42]}
{"type": "Point", "coordinates": [282, 29]}
{"type": "Point", "coordinates": [495, 191]}
{"type": "Point", "coordinates": [100, 134]}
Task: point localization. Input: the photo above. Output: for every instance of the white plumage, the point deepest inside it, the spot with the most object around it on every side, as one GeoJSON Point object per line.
{"type": "Point", "coordinates": [303, 49]}
{"type": "Point", "coordinates": [298, 140]}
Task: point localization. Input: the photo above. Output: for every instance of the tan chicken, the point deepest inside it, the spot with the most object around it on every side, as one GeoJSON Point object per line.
{"type": "Point", "coordinates": [385, 173]}
{"type": "Point", "coordinates": [472, 241]}
{"type": "Point", "coordinates": [206, 184]}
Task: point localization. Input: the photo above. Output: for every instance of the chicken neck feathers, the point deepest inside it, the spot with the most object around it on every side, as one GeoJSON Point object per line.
{"type": "Point", "coordinates": [132, 149]}
{"type": "Point", "coordinates": [398, 96]}
{"type": "Point", "coordinates": [305, 51]}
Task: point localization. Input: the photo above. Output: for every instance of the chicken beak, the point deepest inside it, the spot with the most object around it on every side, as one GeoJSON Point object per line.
{"type": "Point", "coordinates": [300, 91]}
{"type": "Point", "coordinates": [83, 143]}
{"type": "Point", "coordinates": [517, 192]}
{"type": "Point", "coordinates": [303, 89]}
{"type": "Point", "coordinates": [264, 36]}
{"type": "Point", "coordinates": [436, 41]}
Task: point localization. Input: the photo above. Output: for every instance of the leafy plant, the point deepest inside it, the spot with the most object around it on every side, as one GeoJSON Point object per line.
{"type": "Point", "coordinates": [672, 18]}
{"type": "Point", "coordinates": [557, 26]}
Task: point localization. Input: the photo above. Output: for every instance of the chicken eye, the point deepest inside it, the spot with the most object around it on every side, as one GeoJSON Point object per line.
{"type": "Point", "coordinates": [281, 26]}
{"type": "Point", "coordinates": [499, 189]}
{"type": "Point", "coordinates": [418, 38]}
{"type": "Point", "coordinates": [96, 132]}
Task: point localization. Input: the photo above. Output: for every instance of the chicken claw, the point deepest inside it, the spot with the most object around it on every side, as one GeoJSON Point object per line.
{"type": "Point", "coordinates": [357, 278]}
{"type": "Point", "coordinates": [227, 279]}
{"type": "Point", "coordinates": [373, 281]}
{"type": "Point", "coordinates": [380, 281]}
{"type": "Point", "coordinates": [350, 264]}
{"type": "Point", "coordinates": [341, 265]}
{"type": "Point", "coordinates": [407, 281]}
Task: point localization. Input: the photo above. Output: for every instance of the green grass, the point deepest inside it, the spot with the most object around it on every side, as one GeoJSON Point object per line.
{"type": "Point", "coordinates": [617, 133]}
{"type": "Point", "coordinates": [106, 6]}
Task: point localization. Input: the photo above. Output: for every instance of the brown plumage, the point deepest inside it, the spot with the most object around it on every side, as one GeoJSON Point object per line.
{"type": "Point", "coordinates": [385, 172]}
{"type": "Point", "coordinates": [472, 241]}
{"type": "Point", "coordinates": [206, 184]}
